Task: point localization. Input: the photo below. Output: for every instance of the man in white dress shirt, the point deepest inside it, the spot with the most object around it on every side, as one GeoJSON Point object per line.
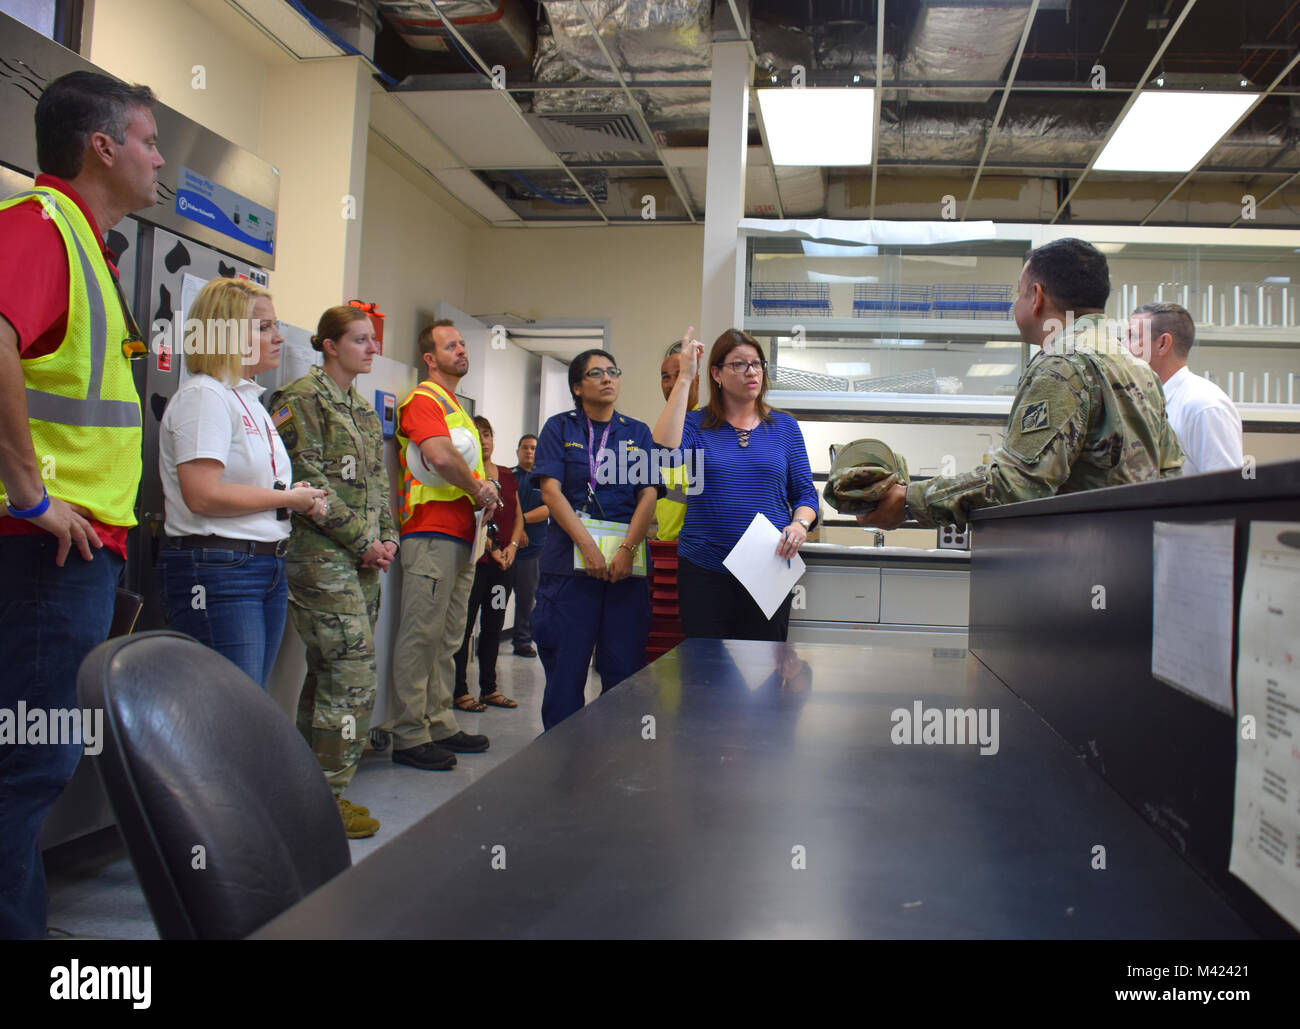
{"type": "Point", "coordinates": [1204, 419]}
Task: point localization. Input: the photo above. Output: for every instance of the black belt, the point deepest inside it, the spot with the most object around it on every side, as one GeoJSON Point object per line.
{"type": "Point", "coordinates": [277, 549]}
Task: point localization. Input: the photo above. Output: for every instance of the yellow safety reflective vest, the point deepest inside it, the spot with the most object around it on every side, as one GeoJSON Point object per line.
{"type": "Point", "coordinates": [415, 493]}
{"type": "Point", "coordinates": [82, 404]}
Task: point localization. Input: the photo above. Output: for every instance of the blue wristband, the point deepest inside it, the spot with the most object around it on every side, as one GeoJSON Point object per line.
{"type": "Point", "coordinates": [32, 512]}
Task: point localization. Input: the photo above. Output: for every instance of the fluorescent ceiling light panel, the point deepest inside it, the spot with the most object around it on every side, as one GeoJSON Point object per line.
{"type": "Point", "coordinates": [1170, 131]}
{"type": "Point", "coordinates": [531, 332]}
{"type": "Point", "coordinates": [821, 127]}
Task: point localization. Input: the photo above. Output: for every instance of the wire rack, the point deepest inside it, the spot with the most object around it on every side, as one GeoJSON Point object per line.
{"type": "Point", "coordinates": [780, 377]}
{"type": "Point", "coordinates": [924, 380]}
{"type": "Point", "coordinates": [890, 300]}
{"type": "Point", "coordinates": [790, 298]}
{"type": "Point", "coordinates": [971, 300]}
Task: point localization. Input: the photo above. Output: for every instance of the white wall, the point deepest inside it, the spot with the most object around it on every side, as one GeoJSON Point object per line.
{"type": "Point", "coordinates": [414, 250]}
{"type": "Point", "coordinates": [645, 280]}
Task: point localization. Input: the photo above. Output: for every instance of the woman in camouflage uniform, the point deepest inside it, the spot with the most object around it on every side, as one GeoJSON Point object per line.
{"type": "Point", "coordinates": [335, 441]}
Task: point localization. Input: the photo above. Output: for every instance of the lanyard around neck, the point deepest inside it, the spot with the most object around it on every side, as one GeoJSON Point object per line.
{"type": "Point", "coordinates": [270, 447]}
{"type": "Point", "coordinates": [592, 458]}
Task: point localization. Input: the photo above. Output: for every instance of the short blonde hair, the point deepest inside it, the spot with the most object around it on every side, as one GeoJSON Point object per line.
{"type": "Point", "coordinates": [225, 309]}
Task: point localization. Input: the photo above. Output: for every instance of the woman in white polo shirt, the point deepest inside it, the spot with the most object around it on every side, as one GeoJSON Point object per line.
{"type": "Point", "coordinates": [225, 476]}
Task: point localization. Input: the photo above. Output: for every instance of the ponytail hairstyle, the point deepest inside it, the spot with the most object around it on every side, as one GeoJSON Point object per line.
{"type": "Point", "coordinates": [334, 322]}
{"type": "Point", "coordinates": [578, 368]}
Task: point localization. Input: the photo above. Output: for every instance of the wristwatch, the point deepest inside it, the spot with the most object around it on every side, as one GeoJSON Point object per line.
{"type": "Point", "coordinates": [807, 525]}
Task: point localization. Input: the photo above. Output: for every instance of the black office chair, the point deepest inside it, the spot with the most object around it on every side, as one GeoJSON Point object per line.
{"type": "Point", "coordinates": [225, 812]}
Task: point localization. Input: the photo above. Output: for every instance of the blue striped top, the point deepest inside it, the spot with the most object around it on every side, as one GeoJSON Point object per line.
{"type": "Point", "coordinates": [771, 475]}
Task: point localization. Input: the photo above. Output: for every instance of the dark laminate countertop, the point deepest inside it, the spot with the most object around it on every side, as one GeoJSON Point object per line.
{"type": "Point", "coordinates": [693, 833]}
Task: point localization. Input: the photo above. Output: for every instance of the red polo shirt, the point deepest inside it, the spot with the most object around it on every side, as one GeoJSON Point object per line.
{"type": "Point", "coordinates": [34, 287]}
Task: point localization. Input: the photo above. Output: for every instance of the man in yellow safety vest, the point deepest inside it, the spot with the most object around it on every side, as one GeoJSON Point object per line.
{"type": "Point", "coordinates": [70, 437]}
{"type": "Point", "coordinates": [438, 529]}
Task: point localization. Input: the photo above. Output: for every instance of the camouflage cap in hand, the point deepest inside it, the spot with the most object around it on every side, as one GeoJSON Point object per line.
{"type": "Point", "coordinates": [862, 472]}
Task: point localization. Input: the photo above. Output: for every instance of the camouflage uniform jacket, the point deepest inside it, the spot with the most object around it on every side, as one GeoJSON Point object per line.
{"type": "Point", "coordinates": [1087, 414]}
{"type": "Point", "coordinates": [335, 442]}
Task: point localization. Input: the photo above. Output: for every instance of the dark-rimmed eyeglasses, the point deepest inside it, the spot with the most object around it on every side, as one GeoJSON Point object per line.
{"type": "Point", "coordinates": [741, 367]}
{"type": "Point", "coordinates": [600, 373]}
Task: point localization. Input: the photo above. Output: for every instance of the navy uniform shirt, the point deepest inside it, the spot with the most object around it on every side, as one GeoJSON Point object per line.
{"type": "Point", "coordinates": [530, 498]}
{"type": "Point", "coordinates": [630, 467]}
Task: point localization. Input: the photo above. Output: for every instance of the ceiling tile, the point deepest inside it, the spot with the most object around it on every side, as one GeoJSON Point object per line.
{"type": "Point", "coordinates": [481, 126]}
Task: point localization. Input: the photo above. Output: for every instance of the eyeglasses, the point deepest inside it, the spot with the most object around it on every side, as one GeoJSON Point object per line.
{"type": "Point", "coordinates": [741, 367]}
{"type": "Point", "coordinates": [600, 373]}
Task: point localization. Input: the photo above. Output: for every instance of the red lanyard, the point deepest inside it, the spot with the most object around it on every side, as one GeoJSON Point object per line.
{"type": "Point", "coordinates": [269, 445]}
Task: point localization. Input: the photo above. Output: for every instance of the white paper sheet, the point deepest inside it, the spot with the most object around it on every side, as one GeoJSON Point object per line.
{"type": "Point", "coordinates": [190, 287]}
{"type": "Point", "coordinates": [296, 360]}
{"type": "Point", "coordinates": [1191, 639]}
{"type": "Point", "coordinates": [754, 563]}
{"type": "Point", "coordinates": [1266, 813]}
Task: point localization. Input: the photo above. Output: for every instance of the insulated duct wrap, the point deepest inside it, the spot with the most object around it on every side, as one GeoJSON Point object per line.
{"type": "Point", "coordinates": [1059, 133]}
{"type": "Point", "coordinates": [961, 42]}
{"type": "Point", "coordinates": [660, 40]}
{"type": "Point", "coordinates": [499, 31]}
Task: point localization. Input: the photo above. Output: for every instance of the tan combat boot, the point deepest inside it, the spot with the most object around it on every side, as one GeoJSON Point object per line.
{"type": "Point", "coordinates": [357, 822]}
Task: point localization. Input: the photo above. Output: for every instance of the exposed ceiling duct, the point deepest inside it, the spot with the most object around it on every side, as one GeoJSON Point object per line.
{"type": "Point", "coordinates": [1061, 132]}
{"type": "Point", "coordinates": [961, 42]}
{"type": "Point", "coordinates": [500, 31]}
{"type": "Point", "coordinates": [620, 125]}
{"type": "Point", "coordinates": [649, 40]}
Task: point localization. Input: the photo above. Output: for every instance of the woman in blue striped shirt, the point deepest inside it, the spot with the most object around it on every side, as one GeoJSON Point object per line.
{"type": "Point", "coordinates": [753, 460]}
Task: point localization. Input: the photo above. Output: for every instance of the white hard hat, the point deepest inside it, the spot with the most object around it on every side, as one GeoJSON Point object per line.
{"type": "Point", "coordinates": [466, 444]}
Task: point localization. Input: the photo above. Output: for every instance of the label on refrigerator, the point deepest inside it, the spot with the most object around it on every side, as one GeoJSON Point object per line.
{"type": "Point", "coordinates": [209, 203]}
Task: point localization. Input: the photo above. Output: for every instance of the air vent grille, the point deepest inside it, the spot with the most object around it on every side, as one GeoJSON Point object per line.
{"type": "Point", "coordinates": [576, 133]}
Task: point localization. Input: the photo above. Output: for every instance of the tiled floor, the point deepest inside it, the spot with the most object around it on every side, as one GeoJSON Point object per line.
{"type": "Point", "coordinates": [93, 888]}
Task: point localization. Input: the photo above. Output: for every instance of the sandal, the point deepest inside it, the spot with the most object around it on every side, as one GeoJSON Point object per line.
{"type": "Point", "coordinates": [497, 699]}
{"type": "Point", "coordinates": [468, 703]}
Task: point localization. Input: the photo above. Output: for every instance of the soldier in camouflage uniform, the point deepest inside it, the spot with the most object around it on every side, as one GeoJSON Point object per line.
{"type": "Point", "coordinates": [335, 441]}
{"type": "Point", "coordinates": [1087, 414]}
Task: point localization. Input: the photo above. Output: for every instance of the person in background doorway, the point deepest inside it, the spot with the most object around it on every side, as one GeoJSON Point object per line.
{"type": "Point", "coordinates": [493, 575]}
{"type": "Point", "coordinates": [536, 521]}
{"type": "Point", "coordinates": [754, 461]}
{"type": "Point", "coordinates": [601, 606]}
{"type": "Point", "coordinates": [1204, 418]}
{"type": "Point", "coordinates": [336, 443]}
{"type": "Point", "coordinates": [70, 437]}
{"type": "Point", "coordinates": [438, 529]}
{"type": "Point", "coordinates": [226, 493]}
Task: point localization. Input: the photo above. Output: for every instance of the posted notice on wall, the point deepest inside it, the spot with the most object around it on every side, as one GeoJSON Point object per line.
{"type": "Point", "coordinates": [1191, 627]}
{"type": "Point", "coordinates": [1266, 813]}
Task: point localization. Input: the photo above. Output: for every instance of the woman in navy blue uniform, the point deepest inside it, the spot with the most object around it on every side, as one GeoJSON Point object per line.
{"type": "Point", "coordinates": [587, 464]}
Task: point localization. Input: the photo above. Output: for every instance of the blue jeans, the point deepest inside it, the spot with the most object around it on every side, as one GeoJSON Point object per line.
{"type": "Point", "coordinates": [240, 610]}
{"type": "Point", "coordinates": [50, 619]}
